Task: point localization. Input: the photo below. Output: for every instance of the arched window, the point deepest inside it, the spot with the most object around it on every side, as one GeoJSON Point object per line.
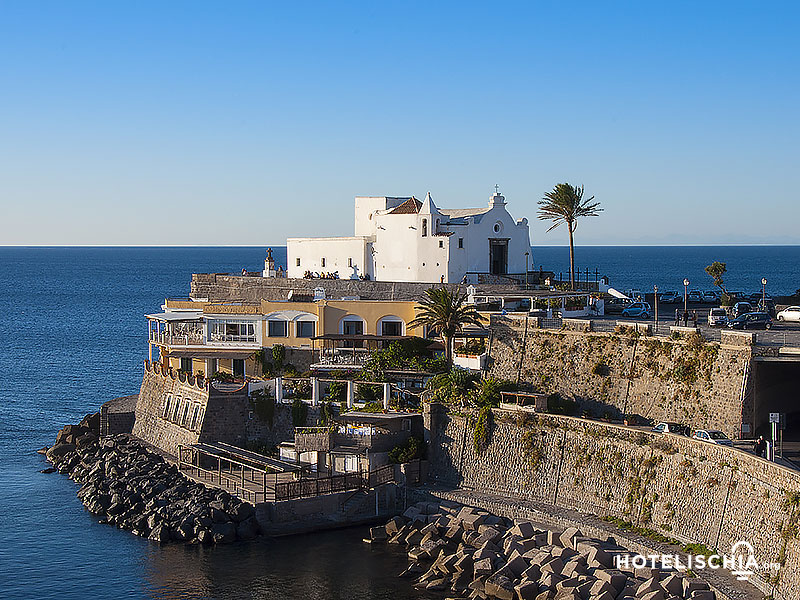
{"type": "Point", "coordinates": [424, 227]}
{"type": "Point", "coordinates": [391, 326]}
{"type": "Point", "coordinates": [351, 325]}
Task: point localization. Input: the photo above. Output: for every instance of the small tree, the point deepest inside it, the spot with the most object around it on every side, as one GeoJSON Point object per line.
{"type": "Point", "coordinates": [445, 313]}
{"type": "Point", "coordinates": [565, 204]}
{"type": "Point", "coordinates": [716, 270]}
{"type": "Point", "coordinates": [278, 356]}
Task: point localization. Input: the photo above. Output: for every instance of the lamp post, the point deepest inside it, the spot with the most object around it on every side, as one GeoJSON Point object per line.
{"type": "Point", "coordinates": [764, 293]}
{"type": "Point", "coordinates": [685, 296]}
{"type": "Point", "coordinates": [526, 269]}
{"type": "Point", "coordinates": [655, 303]}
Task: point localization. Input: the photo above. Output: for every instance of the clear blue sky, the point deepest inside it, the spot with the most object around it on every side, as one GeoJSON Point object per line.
{"type": "Point", "coordinates": [245, 123]}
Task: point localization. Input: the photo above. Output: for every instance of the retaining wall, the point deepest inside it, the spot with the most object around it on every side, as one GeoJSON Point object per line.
{"type": "Point", "coordinates": [685, 489]}
{"type": "Point", "coordinates": [702, 385]}
{"type": "Point", "coordinates": [225, 416]}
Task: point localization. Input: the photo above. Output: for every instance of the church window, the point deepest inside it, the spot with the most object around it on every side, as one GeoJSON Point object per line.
{"type": "Point", "coordinates": [441, 244]}
{"type": "Point", "coordinates": [460, 242]}
{"type": "Point", "coordinates": [424, 227]}
{"type": "Point", "coordinates": [349, 262]}
{"type": "Point", "coordinates": [322, 263]}
{"type": "Point", "coordinates": [297, 262]}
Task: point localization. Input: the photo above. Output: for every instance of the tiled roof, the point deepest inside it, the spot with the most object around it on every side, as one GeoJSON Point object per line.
{"type": "Point", "coordinates": [409, 207]}
{"type": "Point", "coordinates": [456, 213]}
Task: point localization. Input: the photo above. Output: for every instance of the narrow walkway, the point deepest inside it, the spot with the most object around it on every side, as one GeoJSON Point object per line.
{"type": "Point", "coordinates": [547, 516]}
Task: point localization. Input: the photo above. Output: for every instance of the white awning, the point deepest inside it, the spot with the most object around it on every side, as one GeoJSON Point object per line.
{"type": "Point", "coordinates": [177, 316]}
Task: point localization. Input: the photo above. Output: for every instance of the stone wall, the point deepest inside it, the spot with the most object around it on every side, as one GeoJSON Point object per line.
{"type": "Point", "coordinates": [684, 489]}
{"type": "Point", "coordinates": [118, 415]}
{"type": "Point", "coordinates": [150, 425]}
{"type": "Point", "coordinates": [282, 427]}
{"type": "Point", "coordinates": [701, 385]}
{"type": "Point", "coordinates": [328, 511]}
{"type": "Point", "coordinates": [226, 415]}
{"type": "Point", "coordinates": [220, 288]}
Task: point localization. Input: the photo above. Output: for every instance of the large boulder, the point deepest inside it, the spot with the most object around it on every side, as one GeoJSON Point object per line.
{"type": "Point", "coordinates": [242, 511]}
{"type": "Point", "coordinates": [160, 534]}
{"type": "Point", "coordinates": [57, 452]}
{"type": "Point", "coordinates": [248, 529]}
{"type": "Point", "coordinates": [91, 422]}
{"type": "Point", "coordinates": [224, 533]}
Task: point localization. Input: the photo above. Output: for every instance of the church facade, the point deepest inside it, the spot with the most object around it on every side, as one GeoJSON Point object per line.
{"type": "Point", "coordinates": [405, 239]}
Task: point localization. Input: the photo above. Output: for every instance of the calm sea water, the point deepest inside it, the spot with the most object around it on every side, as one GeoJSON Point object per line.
{"type": "Point", "coordinates": [72, 335]}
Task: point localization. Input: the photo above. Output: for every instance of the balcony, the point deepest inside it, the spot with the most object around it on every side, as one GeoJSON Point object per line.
{"type": "Point", "coordinates": [192, 338]}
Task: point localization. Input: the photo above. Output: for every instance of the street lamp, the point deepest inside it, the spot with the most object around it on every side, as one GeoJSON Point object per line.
{"type": "Point", "coordinates": [655, 302]}
{"type": "Point", "coordinates": [685, 296]}
{"type": "Point", "coordinates": [764, 293]}
{"type": "Point", "coordinates": [526, 270]}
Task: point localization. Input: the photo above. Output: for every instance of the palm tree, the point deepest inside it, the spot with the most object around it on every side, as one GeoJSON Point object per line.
{"type": "Point", "coordinates": [565, 204]}
{"type": "Point", "coordinates": [446, 313]}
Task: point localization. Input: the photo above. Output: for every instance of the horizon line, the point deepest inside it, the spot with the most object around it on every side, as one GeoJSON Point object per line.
{"type": "Point", "coordinates": [284, 246]}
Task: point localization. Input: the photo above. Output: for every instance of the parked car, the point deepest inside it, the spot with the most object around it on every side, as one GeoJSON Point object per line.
{"type": "Point", "coordinates": [714, 436]}
{"type": "Point", "coordinates": [634, 294]}
{"type": "Point", "coordinates": [753, 320]}
{"type": "Point", "coordinates": [791, 313]}
{"type": "Point", "coordinates": [710, 296]}
{"type": "Point", "coordinates": [741, 308]}
{"type": "Point", "coordinates": [695, 296]}
{"type": "Point", "coordinates": [717, 317]}
{"type": "Point", "coordinates": [637, 309]}
{"type": "Point", "coordinates": [669, 297]}
{"type": "Point", "coordinates": [615, 306]}
{"type": "Point", "coordinates": [669, 427]}
{"type": "Point", "coordinates": [736, 296]}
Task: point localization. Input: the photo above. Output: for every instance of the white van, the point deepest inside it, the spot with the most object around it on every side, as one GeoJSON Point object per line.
{"type": "Point", "coordinates": [717, 317]}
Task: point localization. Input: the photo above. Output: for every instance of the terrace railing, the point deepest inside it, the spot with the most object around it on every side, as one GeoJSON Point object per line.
{"type": "Point", "coordinates": [346, 482]}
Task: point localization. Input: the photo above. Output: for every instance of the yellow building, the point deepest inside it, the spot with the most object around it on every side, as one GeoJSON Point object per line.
{"type": "Point", "coordinates": [211, 337]}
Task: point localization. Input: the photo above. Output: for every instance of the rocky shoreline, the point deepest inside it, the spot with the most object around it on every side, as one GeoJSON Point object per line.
{"type": "Point", "coordinates": [455, 549]}
{"type": "Point", "coordinates": [126, 484]}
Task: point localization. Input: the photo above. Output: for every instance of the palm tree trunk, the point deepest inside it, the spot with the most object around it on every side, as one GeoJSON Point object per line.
{"type": "Point", "coordinates": [448, 350]}
{"type": "Point", "coordinates": [571, 259]}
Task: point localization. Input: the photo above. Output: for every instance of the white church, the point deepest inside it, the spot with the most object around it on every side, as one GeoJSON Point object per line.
{"type": "Point", "coordinates": [403, 239]}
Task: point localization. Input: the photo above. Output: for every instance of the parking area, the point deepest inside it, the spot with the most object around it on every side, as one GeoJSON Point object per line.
{"type": "Point", "coordinates": [781, 333]}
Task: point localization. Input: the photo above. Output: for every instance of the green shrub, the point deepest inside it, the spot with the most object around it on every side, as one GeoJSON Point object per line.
{"type": "Point", "coordinates": [489, 391]}
{"type": "Point", "coordinates": [299, 412]}
{"type": "Point", "coordinates": [223, 377]}
{"type": "Point", "coordinates": [483, 429]}
{"type": "Point", "coordinates": [264, 406]}
{"type": "Point", "coordinates": [369, 393]}
{"type": "Point", "coordinates": [412, 449]}
{"type": "Point", "coordinates": [337, 391]}
{"type": "Point", "coordinates": [326, 413]}
{"type": "Point", "coordinates": [278, 356]}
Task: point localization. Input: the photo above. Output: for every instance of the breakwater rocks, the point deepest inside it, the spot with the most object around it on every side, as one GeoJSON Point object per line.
{"type": "Point", "coordinates": [127, 485]}
{"type": "Point", "coordinates": [469, 552]}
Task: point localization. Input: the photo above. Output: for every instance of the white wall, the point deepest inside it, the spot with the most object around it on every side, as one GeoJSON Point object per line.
{"type": "Point", "coordinates": [335, 251]}
{"type": "Point", "coordinates": [391, 247]}
{"type": "Point", "coordinates": [366, 206]}
{"type": "Point", "coordinates": [475, 255]}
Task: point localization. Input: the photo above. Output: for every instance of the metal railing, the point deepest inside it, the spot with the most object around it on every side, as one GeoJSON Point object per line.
{"type": "Point", "coordinates": [334, 484]}
{"type": "Point", "coordinates": [182, 339]}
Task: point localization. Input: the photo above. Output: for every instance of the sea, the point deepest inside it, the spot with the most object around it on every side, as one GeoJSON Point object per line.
{"type": "Point", "coordinates": [73, 335]}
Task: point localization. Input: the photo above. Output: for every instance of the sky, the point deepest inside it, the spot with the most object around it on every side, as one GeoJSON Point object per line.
{"type": "Point", "coordinates": [237, 123]}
